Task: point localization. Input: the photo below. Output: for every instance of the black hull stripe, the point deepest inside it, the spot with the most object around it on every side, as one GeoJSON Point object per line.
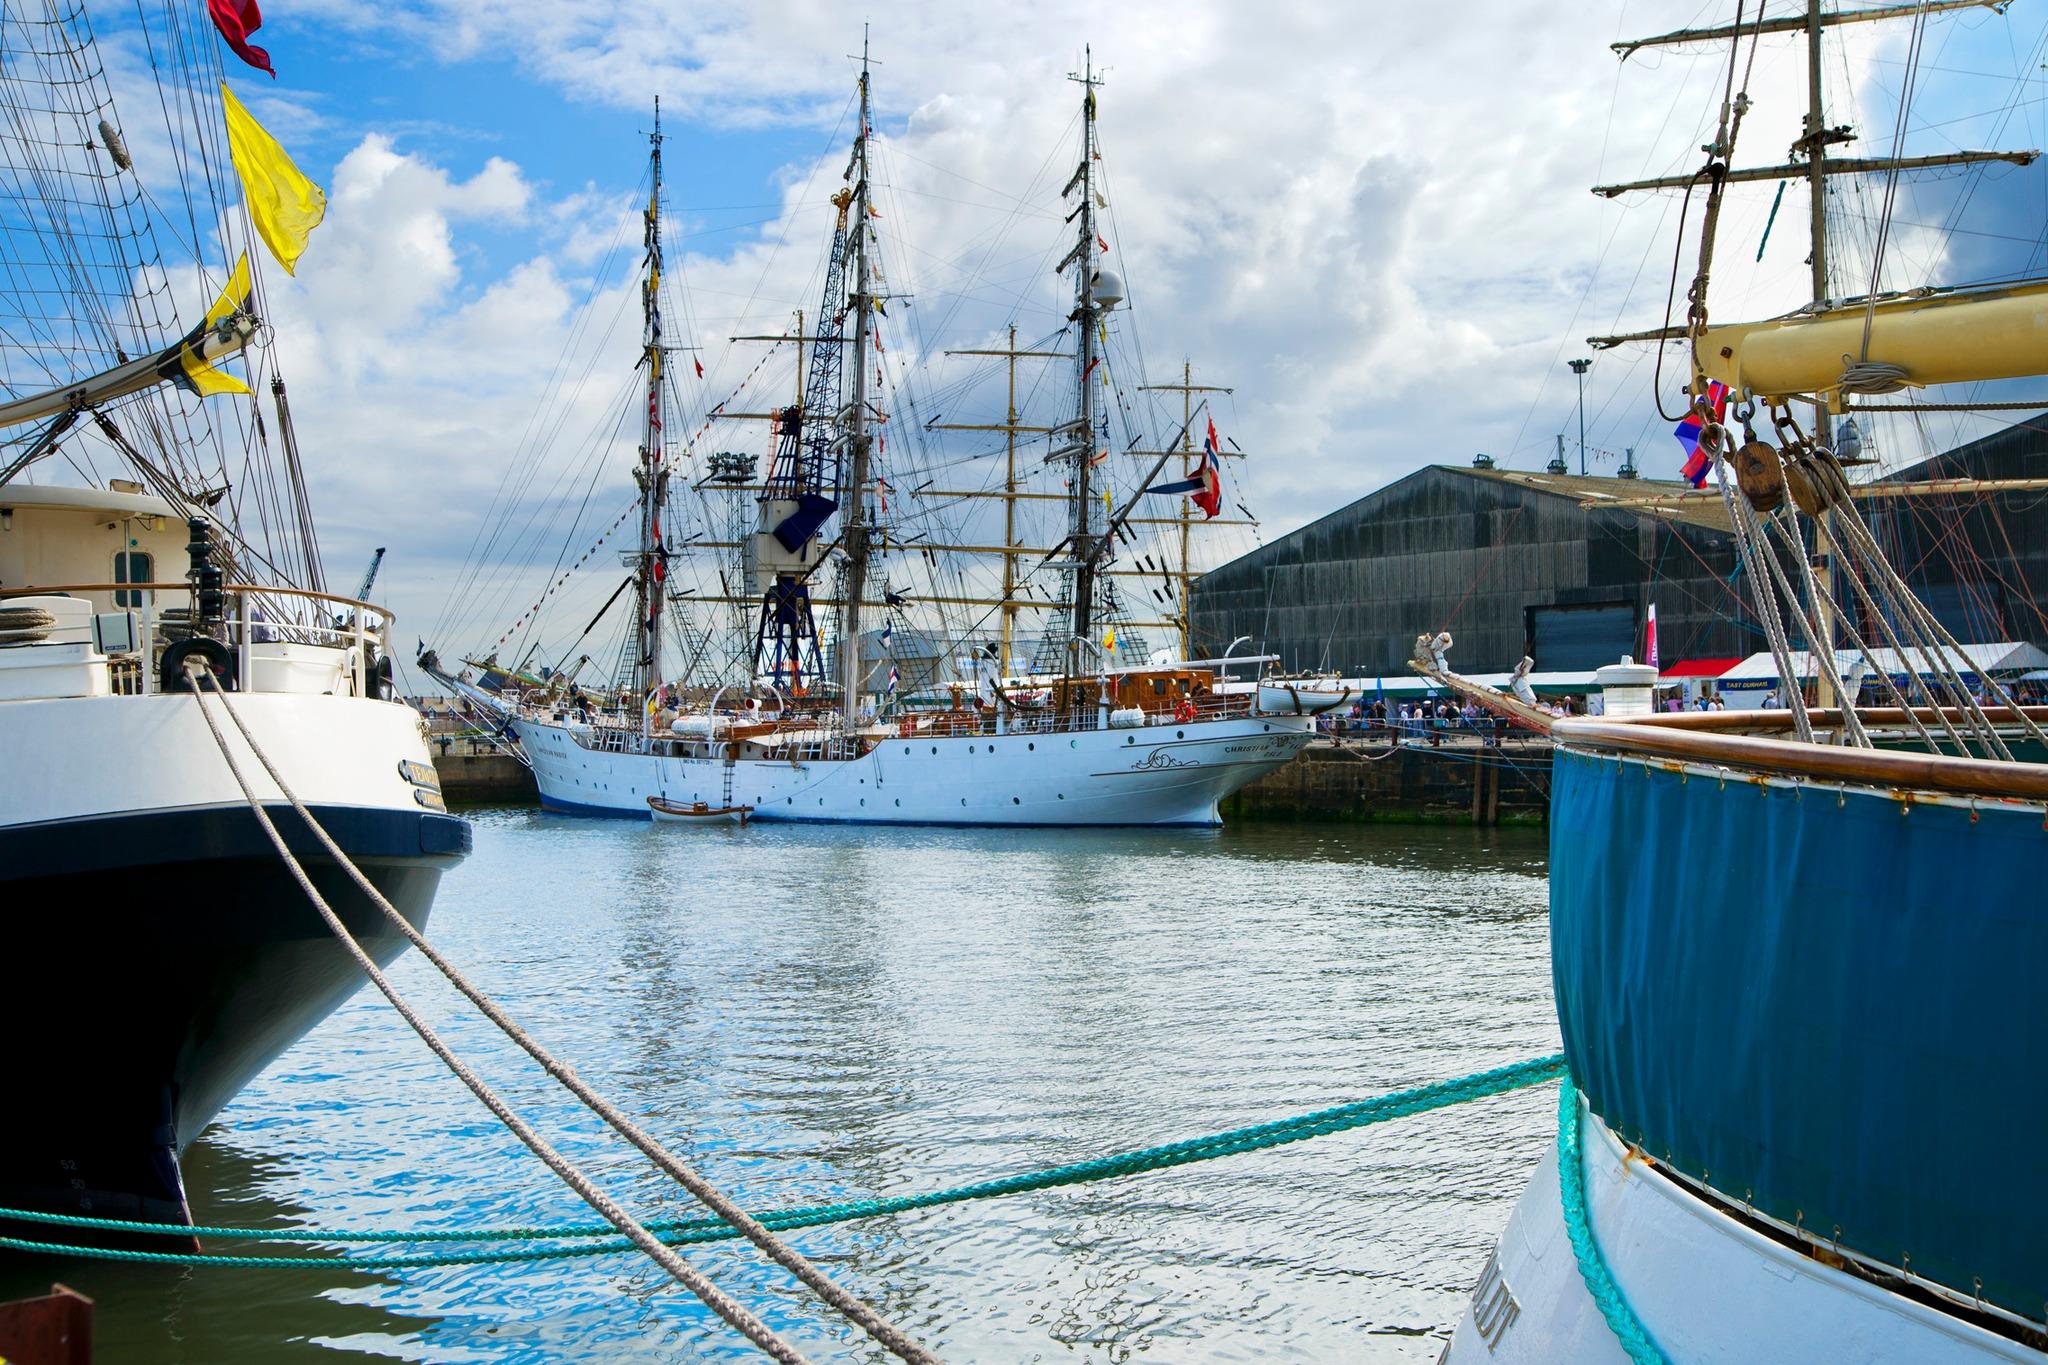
{"type": "Point", "coordinates": [100, 843]}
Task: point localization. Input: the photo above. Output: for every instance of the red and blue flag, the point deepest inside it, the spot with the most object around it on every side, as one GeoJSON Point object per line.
{"type": "Point", "coordinates": [1697, 463]}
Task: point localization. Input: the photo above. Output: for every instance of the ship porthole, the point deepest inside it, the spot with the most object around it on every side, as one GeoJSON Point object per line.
{"type": "Point", "coordinates": [1180, 734]}
{"type": "Point", "coordinates": [1031, 744]}
{"type": "Point", "coordinates": [906, 748]}
{"type": "Point", "coordinates": [1015, 802]}
{"type": "Point", "coordinates": [935, 748]}
{"type": "Point", "coordinates": [863, 800]}
{"type": "Point", "coordinates": [1062, 796]}
{"type": "Point", "coordinates": [1128, 739]}
{"type": "Point", "coordinates": [963, 800]}
{"type": "Point", "coordinates": [899, 800]}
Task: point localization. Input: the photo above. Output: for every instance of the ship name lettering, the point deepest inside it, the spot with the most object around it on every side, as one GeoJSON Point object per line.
{"type": "Point", "coordinates": [1494, 1309]}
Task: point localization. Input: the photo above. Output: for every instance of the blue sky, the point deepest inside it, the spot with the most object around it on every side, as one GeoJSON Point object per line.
{"type": "Point", "coordinates": [1372, 224]}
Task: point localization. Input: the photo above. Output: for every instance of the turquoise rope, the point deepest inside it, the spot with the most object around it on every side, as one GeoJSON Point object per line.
{"type": "Point", "coordinates": [1628, 1329]}
{"type": "Point", "coordinates": [601, 1239]}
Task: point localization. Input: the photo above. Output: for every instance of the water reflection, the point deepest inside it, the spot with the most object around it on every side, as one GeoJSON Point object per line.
{"type": "Point", "coordinates": [822, 1013]}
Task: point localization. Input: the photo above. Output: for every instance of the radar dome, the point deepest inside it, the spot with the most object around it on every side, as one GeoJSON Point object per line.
{"type": "Point", "coordinates": [1106, 287]}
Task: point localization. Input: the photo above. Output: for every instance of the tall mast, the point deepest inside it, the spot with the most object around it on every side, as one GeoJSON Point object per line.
{"type": "Point", "coordinates": [1011, 428]}
{"type": "Point", "coordinates": [853, 532]}
{"type": "Point", "coordinates": [1081, 506]}
{"type": "Point", "coordinates": [1817, 185]}
{"type": "Point", "coordinates": [651, 473]}
{"type": "Point", "coordinates": [1187, 389]}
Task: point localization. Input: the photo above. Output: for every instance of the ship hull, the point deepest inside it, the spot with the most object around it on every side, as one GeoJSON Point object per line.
{"type": "Point", "coordinates": [162, 954]}
{"type": "Point", "coordinates": [1816, 1004]}
{"type": "Point", "coordinates": [1705, 1285]}
{"type": "Point", "coordinates": [1171, 774]}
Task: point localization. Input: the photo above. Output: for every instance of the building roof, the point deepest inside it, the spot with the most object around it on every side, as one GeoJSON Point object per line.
{"type": "Point", "coordinates": [1591, 491]}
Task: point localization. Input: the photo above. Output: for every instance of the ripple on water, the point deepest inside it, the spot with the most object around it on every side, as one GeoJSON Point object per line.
{"type": "Point", "coordinates": [818, 1014]}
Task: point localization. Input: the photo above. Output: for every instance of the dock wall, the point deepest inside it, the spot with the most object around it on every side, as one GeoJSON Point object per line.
{"type": "Point", "coordinates": [1461, 783]}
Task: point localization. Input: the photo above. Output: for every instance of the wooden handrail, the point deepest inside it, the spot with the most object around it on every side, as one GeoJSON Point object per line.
{"type": "Point", "coordinates": [182, 586]}
{"type": "Point", "coordinates": [1663, 737]}
{"type": "Point", "coordinates": [1826, 719]}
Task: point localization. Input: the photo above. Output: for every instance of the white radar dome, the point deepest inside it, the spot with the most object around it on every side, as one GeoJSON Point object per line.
{"type": "Point", "coordinates": [1106, 287]}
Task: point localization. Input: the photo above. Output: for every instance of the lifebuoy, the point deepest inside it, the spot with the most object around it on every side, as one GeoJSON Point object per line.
{"type": "Point", "coordinates": [1184, 710]}
{"type": "Point", "coordinates": [906, 726]}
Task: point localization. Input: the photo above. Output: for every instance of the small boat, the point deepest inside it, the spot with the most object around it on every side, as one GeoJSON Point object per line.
{"type": "Point", "coordinates": [696, 812]}
{"type": "Point", "coordinates": [1302, 696]}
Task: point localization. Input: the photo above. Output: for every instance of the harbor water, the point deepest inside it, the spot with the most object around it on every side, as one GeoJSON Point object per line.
{"type": "Point", "coordinates": [825, 1013]}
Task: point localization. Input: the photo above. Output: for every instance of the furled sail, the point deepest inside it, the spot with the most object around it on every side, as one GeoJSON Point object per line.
{"type": "Point", "coordinates": [228, 326]}
{"type": "Point", "coordinates": [1999, 332]}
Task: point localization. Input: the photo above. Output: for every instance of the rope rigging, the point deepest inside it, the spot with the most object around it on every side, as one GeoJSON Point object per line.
{"type": "Point", "coordinates": [204, 684]}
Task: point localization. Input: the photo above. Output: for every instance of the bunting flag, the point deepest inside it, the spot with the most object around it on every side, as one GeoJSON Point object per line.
{"type": "Point", "coordinates": [700, 366]}
{"type": "Point", "coordinates": [1097, 360]}
{"type": "Point", "coordinates": [1697, 462]}
{"type": "Point", "coordinates": [1109, 638]}
{"type": "Point", "coordinates": [236, 20]}
{"type": "Point", "coordinates": [1104, 245]}
{"type": "Point", "coordinates": [1650, 637]}
{"type": "Point", "coordinates": [193, 372]}
{"type": "Point", "coordinates": [283, 203]}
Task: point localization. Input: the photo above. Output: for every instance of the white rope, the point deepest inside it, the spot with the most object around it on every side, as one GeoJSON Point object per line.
{"type": "Point", "coordinates": [852, 1307]}
{"type": "Point", "coordinates": [714, 1298]}
{"type": "Point", "coordinates": [1741, 518]}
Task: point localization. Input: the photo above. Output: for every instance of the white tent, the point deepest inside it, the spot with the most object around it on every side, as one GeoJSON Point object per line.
{"type": "Point", "coordinates": [1749, 683]}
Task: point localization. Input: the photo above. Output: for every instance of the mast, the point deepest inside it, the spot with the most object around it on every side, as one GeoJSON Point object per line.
{"type": "Point", "coordinates": [1011, 428]}
{"type": "Point", "coordinates": [650, 474]}
{"type": "Point", "coordinates": [1187, 389]}
{"type": "Point", "coordinates": [1081, 505]}
{"type": "Point", "coordinates": [853, 531]}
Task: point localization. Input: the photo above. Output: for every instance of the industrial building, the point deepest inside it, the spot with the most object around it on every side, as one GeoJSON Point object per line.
{"type": "Point", "coordinates": [1517, 563]}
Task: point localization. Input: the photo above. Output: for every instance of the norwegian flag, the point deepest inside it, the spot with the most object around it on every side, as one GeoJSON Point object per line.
{"type": "Point", "coordinates": [1697, 462]}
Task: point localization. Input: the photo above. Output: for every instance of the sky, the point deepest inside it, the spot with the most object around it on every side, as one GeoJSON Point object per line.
{"type": "Point", "coordinates": [1371, 222]}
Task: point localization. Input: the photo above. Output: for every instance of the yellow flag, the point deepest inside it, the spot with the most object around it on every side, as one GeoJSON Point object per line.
{"type": "Point", "coordinates": [284, 205]}
{"type": "Point", "coordinates": [1109, 638]}
{"type": "Point", "coordinates": [200, 375]}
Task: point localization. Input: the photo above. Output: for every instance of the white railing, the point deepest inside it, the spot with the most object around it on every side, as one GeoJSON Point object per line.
{"type": "Point", "coordinates": [292, 639]}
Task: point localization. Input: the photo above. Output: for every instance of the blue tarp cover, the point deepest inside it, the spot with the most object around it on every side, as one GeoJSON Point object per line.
{"type": "Point", "coordinates": [1828, 1005]}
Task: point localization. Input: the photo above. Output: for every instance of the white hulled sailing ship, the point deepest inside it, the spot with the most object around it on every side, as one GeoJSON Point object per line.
{"type": "Point", "coordinates": [803, 733]}
{"type": "Point", "coordinates": [159, 952]}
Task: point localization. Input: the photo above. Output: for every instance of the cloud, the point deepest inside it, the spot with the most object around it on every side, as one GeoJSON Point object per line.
{"type": "Point", "coordinates": [1372, 225]}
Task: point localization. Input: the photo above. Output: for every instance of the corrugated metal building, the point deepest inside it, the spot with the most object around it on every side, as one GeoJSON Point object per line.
{"type": "Point", "coordinates": [1512, 563]}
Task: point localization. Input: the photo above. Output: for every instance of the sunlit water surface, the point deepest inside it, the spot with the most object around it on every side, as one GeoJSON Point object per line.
{"type": "Point", "coordinates": [829, 1013]}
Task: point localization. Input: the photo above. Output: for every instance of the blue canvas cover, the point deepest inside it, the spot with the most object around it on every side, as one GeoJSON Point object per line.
{"type": "Point", "coordinates": [1829, 1005]}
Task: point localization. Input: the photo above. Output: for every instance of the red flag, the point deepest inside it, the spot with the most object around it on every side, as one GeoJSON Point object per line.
{"type": "Point", "coordinates": [1210, 499]}
{"type": "Point", "coordinates": [236, 20]}
{"type": "Point", "coordinates": [1099, 242]}
{"type": "Point", "coordinates": [700, 366]}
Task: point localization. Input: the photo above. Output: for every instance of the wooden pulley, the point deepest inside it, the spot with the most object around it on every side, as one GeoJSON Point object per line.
{"type": "Point", "coordinates": [1763, 475]}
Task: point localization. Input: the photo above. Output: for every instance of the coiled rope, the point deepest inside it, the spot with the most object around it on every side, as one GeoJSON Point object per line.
{"type": "Point", "coordinates": [1628, 1329]}
{"type": "Point", "coordinates": [734, 1313]}
{"type": "Point", "coordinates": [597, 1241]}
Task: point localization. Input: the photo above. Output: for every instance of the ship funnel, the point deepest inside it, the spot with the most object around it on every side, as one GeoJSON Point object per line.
{"type": "Point", "coordinates": [1106, 288]}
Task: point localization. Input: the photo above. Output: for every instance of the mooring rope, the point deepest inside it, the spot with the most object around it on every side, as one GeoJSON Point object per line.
{"type": "Point", "coordinates": [1606, 1294]}
{"type": "Point", "coordinates": [734, 1313]}
{"type": "Point", "coordinates": [1320, 1123]}
{"type": "Point", "coordinates": [898, 1343]}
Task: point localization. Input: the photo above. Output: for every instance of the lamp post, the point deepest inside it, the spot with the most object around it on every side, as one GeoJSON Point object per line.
{"type": "Point", "coordinates": [1579, 368]}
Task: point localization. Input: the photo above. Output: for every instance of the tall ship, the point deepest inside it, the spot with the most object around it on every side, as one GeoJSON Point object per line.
{"type": "Point", "coordinates": [154, 521]}
{"type": "Point", "coordinates": [1795, 952]}
{"type": "Point", "coordinates": [771, 686]}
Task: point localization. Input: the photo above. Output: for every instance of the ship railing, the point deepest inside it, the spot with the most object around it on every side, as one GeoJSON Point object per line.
{"type": "Point", "coordinates": [1759, 743]}
{"type": "Point", "coordinates": [278, 639]}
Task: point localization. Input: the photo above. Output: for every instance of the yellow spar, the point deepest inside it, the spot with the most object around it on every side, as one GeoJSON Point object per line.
{"type": "Point", "coordinates": [1995, 333]}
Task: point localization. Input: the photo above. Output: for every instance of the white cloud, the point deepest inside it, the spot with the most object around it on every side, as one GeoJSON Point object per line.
{"type": "Point", "coordinates": [1372, 223]}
